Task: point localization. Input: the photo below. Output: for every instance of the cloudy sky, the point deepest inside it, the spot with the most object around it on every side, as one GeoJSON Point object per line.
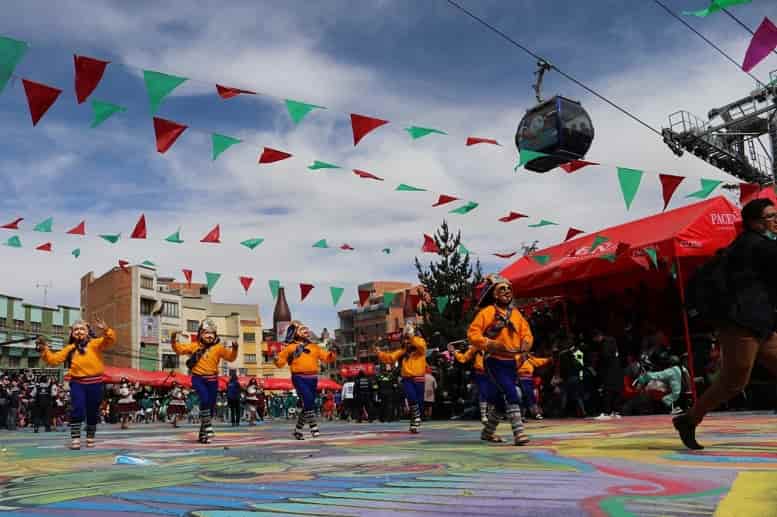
{"type": "Point", "coordinates": [412, 63]}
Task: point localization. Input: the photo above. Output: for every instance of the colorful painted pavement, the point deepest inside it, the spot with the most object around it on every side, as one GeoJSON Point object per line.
{"type": "Point", "coordinates": [631, 466]}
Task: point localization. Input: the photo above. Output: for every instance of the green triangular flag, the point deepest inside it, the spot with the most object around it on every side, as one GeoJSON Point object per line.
{"type": "Point", "coordinates": [175, 238]}
{"type": "Point", "coordinates": [543, 222]}
{"type": "Point", "coordinates": [629, 180]}
{"type": "Point", "coordinates": [298, 110]}
{"type": "Point", "coordinates": [707, 186]}
{"type": "Point", "coordinates": [148, 263]}
{"type": "Point", "coordinates": [463, 250]}
{"type": "Point", "coordinates": [442, 302]}
{"type": "Point", "coordinates": [387, 251]}
{"type": "Point", "coordinates": [388, 298]}
{"type": "Point", "coordinates": [525, 156]}
{"type": "Point", "coordinates": [221, 143]}
{"type": "Point", "coordinates": [101, 111]}
{"type": "Point", "coordinates": [408, 188]}
{"type": "Point", "coordinates": [416, 132]}
{"type": "Point", "coordinates": [211, 279]}
{"type": "Point", "coordinates": [470, 206]}
{"type": "Point", "coordinates": [715, 6]}
{"type": "Point", "coordinates": [274, 286]}
{"type": "Point", "coordinates": [76, 252]}
{"type": "Point", "coordinates": [14, 242]}
{"type": "Point", "coordinates": [541, 259]}
{"type": "Point", "coordinates": [11, 52]}
{"type": "Point", "coordinates": [112, 238]}
{"type": "Point", "coordinates": [321, 244]}
{"type": "Point", "coordinates": [252, 243]}
{"type": "Point", "coordinates": [609, 257]}
{"type": "Point", "coordinates": [44, 226]}
{"type": "Point", "coordinates": [322, 165]}
{"type": "Point", "coordinates": [653, 254]}
{"type": "Point", "coordinates": [159, 86]}
{"type": "Point", "coordinates": [598, 241]}
{"type": "Point", "coordinates": [337, 293]}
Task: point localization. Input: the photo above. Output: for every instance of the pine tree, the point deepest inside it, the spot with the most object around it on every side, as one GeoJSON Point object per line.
{"type": "Point", "coordinates": [451, 275]}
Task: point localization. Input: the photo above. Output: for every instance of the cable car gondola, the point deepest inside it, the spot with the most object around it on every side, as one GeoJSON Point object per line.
{"type": "Point", "coordinates": [558, 127]}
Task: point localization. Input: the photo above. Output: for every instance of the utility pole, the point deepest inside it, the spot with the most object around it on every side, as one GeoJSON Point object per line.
{"type": "Point", "coordinates": [48, 285]}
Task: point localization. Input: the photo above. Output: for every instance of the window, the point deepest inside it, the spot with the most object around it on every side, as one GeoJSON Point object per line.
{"type": "Point", "coordinates": [170, 309]}
{"type": "Point", "coordinates": [58, 329]}
{"type": "Point", "coordinates": [249, 337]}
{"type": "Point", "coordinates": [35, 327]}
{"type": "Point", "coordinates": [3, 322]}
{"type": "Point", "coordinates": [192, 325]}
{"type": "Point", "coordinates": [18, 324]}
{"type": "Point", "coordinates": [146, 306]}
{"type": "Point", "coordinates": [249, 358]}
{"type": "Point", "coordinates": [242, 371]}
{"type": "Point", "coordinates": [146, 282]}
{"type": "Point", "coordinates": [169, 361]}
{"type": "Point", "coordinates": [13, 362]}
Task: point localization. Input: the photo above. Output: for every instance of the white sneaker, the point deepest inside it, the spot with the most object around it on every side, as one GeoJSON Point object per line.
{"type": "Point", "coordinates": [603, 417]}
{"type": "Point", "coordinates": [616, 415]}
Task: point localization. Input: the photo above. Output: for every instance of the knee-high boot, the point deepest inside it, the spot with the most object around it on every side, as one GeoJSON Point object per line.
{"type": "Point", "coordinates": [489, 426]}
{"type": "Point", "coordinates": [91, 431]}
{"type": "Point", "coordinates": [301, 419]}
{"type": "Point", "coordinates": [514, 416]}
{"type": "Point", "coordinates": [415, 418]}
{"type": "Point", "coordinates": [206, 426]}
{"type": "Point", "coordinates": [311, 418]}
{"type": "Point", "coordinates": [484, 412]}
{"type": "Point", "coordinates": [75, 435]}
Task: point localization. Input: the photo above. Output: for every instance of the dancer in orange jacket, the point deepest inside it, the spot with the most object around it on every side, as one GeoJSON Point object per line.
{"type": "Point", "coordinates": [527, 363]}
{"type": "Point", "coordinates": [478, 375]}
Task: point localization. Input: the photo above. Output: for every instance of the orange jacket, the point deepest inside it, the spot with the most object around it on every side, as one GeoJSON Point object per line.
{"type": "Point", "coordinates": [209, 362]}
{"type": "Point", "coordinates": [306, 363]}
{"type": "Point", "coordinates": [414, 363]}
{"type": "Point", "coordinates": [469, 355]}
{"type": "Point", "coordinates": [526, 369]}
{"type": "Point", "coordinates": [513, 342]}
{"type": "Point", "coordinates": [87, 364]}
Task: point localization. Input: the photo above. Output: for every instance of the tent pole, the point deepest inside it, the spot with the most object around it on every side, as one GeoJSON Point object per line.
{"type": "Point", "coordinates": [686, 330]}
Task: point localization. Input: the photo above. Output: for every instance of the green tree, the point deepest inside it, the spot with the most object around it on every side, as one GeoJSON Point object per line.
{"type": "Point", "coordinates": [452, 275]}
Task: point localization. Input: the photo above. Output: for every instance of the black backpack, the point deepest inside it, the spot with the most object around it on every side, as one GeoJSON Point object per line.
{"type": "Point", "coordinates": [708, 292]}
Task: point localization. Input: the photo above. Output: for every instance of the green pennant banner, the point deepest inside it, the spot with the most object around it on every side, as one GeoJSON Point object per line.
{"type": "Point", "coordinates": [463, 250]}
{"type": "Point", "coordinates": [402, 187]}
{"type": "Point", "coordinates": [387, 251]}
{"type": "Point", "coordinates": [175, 238]}
{"type": "Point", "coordinates": [298, 110]}
{"type": "Point", "coordinates": [416, 132]}
{"type": "Point", "coordinates": [101, 111]}
{"type": "Point", "coordinates": [714, 7]}
{"type": "Point", "coordinates": [598, 241]}
{"type": "Point", "coordinates": [525, 156]}
{"type": "Point", "coordinates": [14, 242]}
{"type": "Point", "coordinates": [274, 286]}
{"type": "Point", "coordinates": [321, 244]}
{"type": "Point", "coordinates": [211, 279]}
{"type": "Point", "coordinates": [707, 186]}
{"type": "Point", "coordinates": [541, 259]}
{"type": "Point", "coordinates": [469, 207]}
{"type": "Point", "coordinates": [44, 226]}
{"type": "Point", "coordinates": [112, 238]}
{"type": "Point", "coordinates": [337, 293]}
{"type": "Point", "coordinates": [316, 165]}
{"type": "Point", "coordinates": [609, 257]}
{"type": "Point", "coordinates": [542, 223]}
{"type": "Point", "coordinates": [11, 53]}
{"type": "Point", "coordinates": [221, 143]}
{"type": "Point", "coordinates": [388, 298]}
{"type": "Point", "coordinates": [442, 303]}
{"type": "Point", "coordinates": [629, 180]}
{"type": "Point", "coordinates": [159, 86]}
{"type": "Point", "coordinates": [252, 243]}
{"type": "Point", "coordinates": [76, 252]}
{"type": "Point", "coordinates": [148, 263]}
{"type": "Point", "coordinates": [653, 254]}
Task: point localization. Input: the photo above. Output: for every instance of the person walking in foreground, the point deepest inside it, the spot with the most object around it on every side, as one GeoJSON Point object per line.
{"type": "Point", "coordinates": [501, 332]}
{"type": "Point", "coordinates": [203, 363]}
{"type": "Point", "coordinates": [747, 321]}
{"type": "Point", "coordinates": [304, 357]}
{"type": "Point", "coordinates": [84, 358]}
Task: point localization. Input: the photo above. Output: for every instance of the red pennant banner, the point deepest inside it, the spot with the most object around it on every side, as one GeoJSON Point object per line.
{"type": "Point", "coordinates": [44, 247]}
{"type": "Point", "coordinates": [140, 228]}
{"type": "Point", "coordinates": [363, 297]}
{"type": "Point", "coordinates": [225, 92]}
{"type": "Point", "coordinates": [89, 73]}
{"type": "Point", "coordinates": [123, 265]}
{"type": "Point", "coordinates": [763, 43]}
{"type": "Point", "coordinates": [505, 255]}
{"type": "Point", "coordinates": [213, 236]}
{"type": "Point", "coordinates": [270, 155]}
{"type": "Point", "coordinates": [39, 98]}
{"type": "Point", "coordinates": [572, 233]}
{"type": "Point", "coordinates": [346, 247]}
{"type": "Point", "coordinates": [304, 290]}
{"type": "Point", "coordinates": [366, 175]}
{"type": "Point", "coordinates": [445, 199]}
{"type": "Point", "coordinates": [429, 245]}
{"type": "Point", "coordinates": [474, 140]}
{"type": "Point", "coordinates": [80, 229]}
{"type": "Point", "coordinates": [669, 184]}
{"type": "Point", "coordinates": [13, 225]}
{"type": "Point", "coordinates": [167, 132]}
{"type": "Point", "coordinates": [575, 165]}
{"type": "Point", "coordinates": [512, 216]}
{"type": "Point", "coordinates": [748, 191]}
{"type": "Point", "coordinates": [187, 273]}
{"type": "Point", "coordinates": [246, 282]}
{"type": "Point", "coordinates": [413, 300]}
{"type": "Point", "coordinates": [362, 125]}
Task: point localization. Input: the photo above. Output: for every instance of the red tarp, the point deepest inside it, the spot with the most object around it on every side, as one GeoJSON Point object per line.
{"type": "Point", "coordinates": [692, 232]}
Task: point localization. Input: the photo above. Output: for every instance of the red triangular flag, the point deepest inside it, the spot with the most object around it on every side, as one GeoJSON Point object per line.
{"type": "Point", "coordinates": [443, 199]}
{"type": "Point", "coordinates": [346, 247]}
{"type": "Point", "coordinates": [366, 175]}
{"type": "Point", "coordinates": [472, 140]}
{"type": "Point", "coordinates": [512, 216]}
{"type": "Point", "coordinates": [44, 247]}
{"type": "Point", "coordinates": [39, 98]}
{"type": "Point", "coordinates": [78, 230]}
{"type": "Point", "coordinates": [505, 255]}
{"type": "Point", "coordinates": [572, 233]}
{"type": "Point", "coordinates": [763, 43]}
{"type": "Point", "coordinates": [413, 300]}
{"type": "Point", "coordinates": [270, 155]}
{"type": "Point", "coordinates": [363, 296]}
{"type": "Point", "coordinates": [362, 125]}
{"type": "Point", "coordinates": [123, 265]}
{"type": "Point", "coordinates": [246, 282]}
{"type": "Point", "coordinates": [748, 191]}
{"type": "Point", "coordinates": [304, 290]}
{"type": "Point", "coordinates": [140, 228]}
{"type": "Point", "coordinates": [429, 245]}
{"type": "Point", "coordinates": [669, 184]}
{"type": "Point", "coordinates": [167, 132]}
{"type": "Point", "coordinates": [13, 225]}
{"type": "Point", "coordinates": [225, 92]}
{"type": "Point", "coordinates": [574, 165]}
{"type": "Point", "coordinates": [187, 273]}
{"type": "Point", "coordinates": [89, 72]}
{"type": "Point", "coordinates": [213, 236]}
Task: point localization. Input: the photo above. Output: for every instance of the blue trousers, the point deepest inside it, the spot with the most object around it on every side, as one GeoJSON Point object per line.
{"type": "Point", "coordinates": [482, 382]}
{"type": "Point", "coordinates": [502, 388]}
{"type": "Point", "coordinates": [207, 391]}
{"type": "Point", "coordinates": [85, 400]}
{"type": "Point", "coordinates": [306, 390]}
{"type": "Point", "coordinates": [414, 391]}
{"type": "Point", "coordinates": [527, 393]}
